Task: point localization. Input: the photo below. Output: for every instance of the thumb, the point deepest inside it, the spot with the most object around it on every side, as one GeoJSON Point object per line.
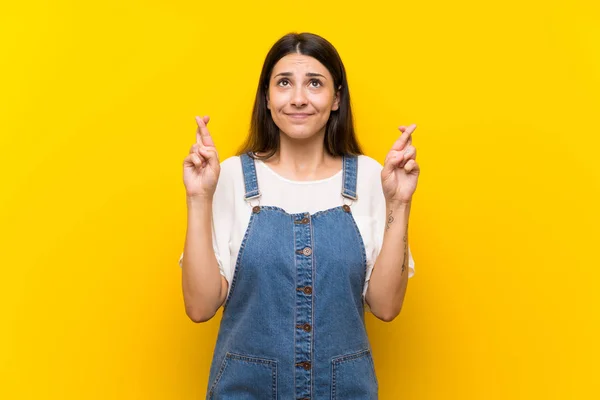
{"type": "Point", "coordinates": [211, 155]}
{"type": "Point", "coordinates": [391, 161]}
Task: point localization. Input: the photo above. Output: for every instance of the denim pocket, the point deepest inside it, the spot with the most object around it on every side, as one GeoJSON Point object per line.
{"type": "Point", "coordinates": [245, 377]}
{"type": "Point", "coordinates": [353, 376]}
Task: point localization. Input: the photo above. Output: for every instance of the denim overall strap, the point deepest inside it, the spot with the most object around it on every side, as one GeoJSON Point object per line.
{"type": "Point", "coordinates": [350, 176]}
{"type": "Point", "coordinates": [250, 181]}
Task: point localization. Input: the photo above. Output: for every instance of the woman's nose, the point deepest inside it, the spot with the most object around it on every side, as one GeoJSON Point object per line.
{"type": "Point", "coordinates": [299, 97]}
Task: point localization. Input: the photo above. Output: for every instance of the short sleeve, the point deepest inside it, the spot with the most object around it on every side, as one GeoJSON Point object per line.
{"type": "Point", "coordinates": [222, 218]}
{"type": "Point", "coordinates": [378, 210]}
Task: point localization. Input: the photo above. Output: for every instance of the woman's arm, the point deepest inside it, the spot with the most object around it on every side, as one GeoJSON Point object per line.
{"type": "Point", "coordinates": [204, 288]}
{"type": "Point", "coordinates": [387, 285]}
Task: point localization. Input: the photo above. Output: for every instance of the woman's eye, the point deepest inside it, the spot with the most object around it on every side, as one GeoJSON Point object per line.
{"type": "Point", "coordinates": [315, 83]}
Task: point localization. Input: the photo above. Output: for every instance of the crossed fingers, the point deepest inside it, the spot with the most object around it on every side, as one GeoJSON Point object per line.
{"type": "Point", "coordinates": [204, 146]}
{"type": "Point", "coordinates": [203, 136]}
{"type": "Point", "coordinates": [402, 149]}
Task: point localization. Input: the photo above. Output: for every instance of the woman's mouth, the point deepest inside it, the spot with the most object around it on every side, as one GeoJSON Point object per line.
{"type": "Point", "coordinates": [298, 115]}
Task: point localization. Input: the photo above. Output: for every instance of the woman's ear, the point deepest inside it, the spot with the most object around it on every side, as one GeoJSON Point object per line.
{"type": "Point", "coordinates": [336, 100]}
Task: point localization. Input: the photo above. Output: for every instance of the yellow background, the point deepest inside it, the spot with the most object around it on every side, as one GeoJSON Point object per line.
{"type": "Point", "coordinates": [97, 114]}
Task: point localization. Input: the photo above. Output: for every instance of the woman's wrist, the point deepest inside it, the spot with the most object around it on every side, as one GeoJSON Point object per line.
{"type": "Point", "coordinates": [397, 204]}
{"type": "Point", "coordinates": [199, 201]}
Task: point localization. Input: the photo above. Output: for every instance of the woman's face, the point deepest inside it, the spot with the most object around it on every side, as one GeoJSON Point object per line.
{"type": "Point", "coordinates": [301, 96]}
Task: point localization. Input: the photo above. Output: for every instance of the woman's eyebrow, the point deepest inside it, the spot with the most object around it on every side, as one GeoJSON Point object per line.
{"type": "Point", "coordinates": [291, 74]}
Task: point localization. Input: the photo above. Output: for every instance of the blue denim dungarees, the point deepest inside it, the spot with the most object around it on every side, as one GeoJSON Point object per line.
{"type": "Point", "coordinates": [293, 323]}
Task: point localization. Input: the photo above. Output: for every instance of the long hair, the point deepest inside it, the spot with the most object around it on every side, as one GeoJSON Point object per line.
{"type": "Point", "coordinates": [340, 137]}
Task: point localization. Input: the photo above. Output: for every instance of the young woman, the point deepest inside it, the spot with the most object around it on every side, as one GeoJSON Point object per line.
{"type": "Point", "coordinates": [296, 236]}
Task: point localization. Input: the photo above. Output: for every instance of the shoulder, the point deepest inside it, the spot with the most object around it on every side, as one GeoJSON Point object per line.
{"type": "Point", "coordinates": [369, 172]}
{"type": "Point", "coordinates": [369, 189]}
{"type": "Point", "coordinates": [369, 209]}
{"type": "Point", "coordinates": [231, 168]}
{"type": "Point", "coordinates": [230, 175]}
{"type": "Point", "coordinates": [368, 164]}
{"type": "Point", "coordinates": [230, 163]}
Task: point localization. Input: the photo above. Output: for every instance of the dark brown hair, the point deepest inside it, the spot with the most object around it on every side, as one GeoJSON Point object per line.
{"type": "Point", "coordinates": [340, 137]}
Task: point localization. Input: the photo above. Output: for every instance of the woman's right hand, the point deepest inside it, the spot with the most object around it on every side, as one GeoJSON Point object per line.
{"type": "Point", "coordinates": [201, 168]}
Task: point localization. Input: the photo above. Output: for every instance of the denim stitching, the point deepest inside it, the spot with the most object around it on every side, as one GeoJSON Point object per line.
{"type": "Point", "coordinates": [372, 362]}
{"type": "Point", "coordinates": [361, 240]}
{"type": "Point", "coordinates": [239, 258]}
{"type": "Point", "coordinates": [341, 359]}
{"type": "Point", "coordinates": [332, 381]}
{"type": "Point", "coordinates": [348, 161]}
{"type": "Point", "coordinates": [318, 213]}
{"type": "Point", "coordinates": [312, 307]}
{"type": "Point", "coordinates": [274, 378]}
{"type": "Point", "coordinates": [351, 356]}
{"type": "Point", "coordinates": [364, 255]}
{"type": "Point", "coordinates": [218, 377]}
{"type": "Point", "coordinates": [295, 300]}
{"type": "Point", "coordinates": [249, 170]}
{"type": "Point", "coordinates": [249, 359]}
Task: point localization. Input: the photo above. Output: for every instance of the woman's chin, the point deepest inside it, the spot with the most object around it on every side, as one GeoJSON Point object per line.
{"type": "Point", "coordinates": [299, 133]}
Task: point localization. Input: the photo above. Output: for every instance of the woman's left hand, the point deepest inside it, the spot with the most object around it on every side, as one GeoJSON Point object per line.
{"type": "Point", "coordinates": [400, 169]}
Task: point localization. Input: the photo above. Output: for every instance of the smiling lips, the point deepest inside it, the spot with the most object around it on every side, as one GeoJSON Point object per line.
{"type": "Point", "coordinates": [298, 115]}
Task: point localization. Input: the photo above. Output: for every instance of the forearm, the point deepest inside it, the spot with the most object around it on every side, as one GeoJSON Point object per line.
{"type": "Point", "coordinates": [389, 278]}
{"type": "Point", "coordinates": [201, 279]}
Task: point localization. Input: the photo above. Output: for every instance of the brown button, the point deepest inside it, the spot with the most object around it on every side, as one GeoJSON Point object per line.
{"type": "Point", "coordinates": [256, 209]}
{"type": "Point", "coordinates": [307, 290]}
{"type": "Point", "coordinates": [306, 327]}
{"type": "Point", "coordinates": [307, 251]}
{"type": "Point", "coordinates": [304, 364]}
{"type": "Point", "coordinates": [346, 207]}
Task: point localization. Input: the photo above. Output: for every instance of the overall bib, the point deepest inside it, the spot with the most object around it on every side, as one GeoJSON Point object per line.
{"type": "Point", "coordinates": [293, 323]}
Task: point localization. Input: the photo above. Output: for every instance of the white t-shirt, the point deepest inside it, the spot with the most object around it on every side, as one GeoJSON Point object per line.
{"type": "Point", "coordinates": [231, 212]}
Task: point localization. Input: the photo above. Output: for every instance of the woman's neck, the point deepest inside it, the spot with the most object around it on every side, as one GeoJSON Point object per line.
{"type": "Point", "coordinates": [304, 160]}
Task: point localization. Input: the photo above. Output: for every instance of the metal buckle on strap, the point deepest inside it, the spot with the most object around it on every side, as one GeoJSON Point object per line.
{"type": "Point", "coordinates": [347, 201]}
{"type": "Point", "coordinates": [254, 201]}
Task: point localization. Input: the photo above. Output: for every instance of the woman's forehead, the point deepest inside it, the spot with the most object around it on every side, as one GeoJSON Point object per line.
{"type": "Point", "coordinates": [299, 62]}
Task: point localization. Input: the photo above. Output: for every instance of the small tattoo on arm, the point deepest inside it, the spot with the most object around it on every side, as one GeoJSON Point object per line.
{"type": "Point", "coordinates": [389, 221]}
